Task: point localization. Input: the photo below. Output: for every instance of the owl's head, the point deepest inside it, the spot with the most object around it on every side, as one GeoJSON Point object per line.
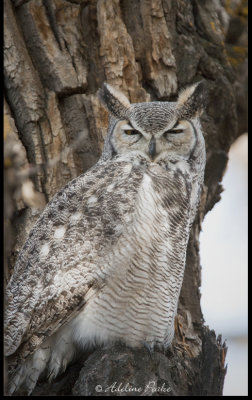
{"type": "Point", "coordinates": [156, 131]}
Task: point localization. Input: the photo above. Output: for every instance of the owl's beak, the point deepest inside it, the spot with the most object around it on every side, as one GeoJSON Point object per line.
{"type": "Point", "coordinates": [152, 147]}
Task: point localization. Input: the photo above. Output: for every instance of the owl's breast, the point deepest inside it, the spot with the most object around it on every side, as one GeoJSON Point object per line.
{"type": "Point", "coordinates": [143, 269]}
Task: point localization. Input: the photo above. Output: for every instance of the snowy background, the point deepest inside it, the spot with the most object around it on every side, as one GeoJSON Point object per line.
{"type": "Point", "coordinates": [224, 264]}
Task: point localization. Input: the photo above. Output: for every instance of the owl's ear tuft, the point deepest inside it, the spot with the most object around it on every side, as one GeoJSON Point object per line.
{"type": "Point", "coordinates": [114, 100]}
{"type": "Point", "coordinates": [192, 100]}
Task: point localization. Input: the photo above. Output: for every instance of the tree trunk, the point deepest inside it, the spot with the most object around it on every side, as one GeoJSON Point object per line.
{"type": "Point", "coordinates": [57, 54]}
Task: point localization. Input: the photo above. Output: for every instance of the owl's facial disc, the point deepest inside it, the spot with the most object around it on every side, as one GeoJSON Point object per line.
{"type": "Point", "coordinates": [160, 145]}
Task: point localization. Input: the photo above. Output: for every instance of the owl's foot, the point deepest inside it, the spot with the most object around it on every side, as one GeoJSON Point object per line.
{"type": "Point", "coordinates": [149, 347]}
{"type": "Point", "coordinates": [160, 347]}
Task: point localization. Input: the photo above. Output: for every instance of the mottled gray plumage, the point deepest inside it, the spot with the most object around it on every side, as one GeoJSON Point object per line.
{"type": "Point", "coordinates": [105, 260]}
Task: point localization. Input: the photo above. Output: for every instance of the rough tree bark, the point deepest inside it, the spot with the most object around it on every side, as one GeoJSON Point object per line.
{"type": "Point", "coordinates": [57, 54]}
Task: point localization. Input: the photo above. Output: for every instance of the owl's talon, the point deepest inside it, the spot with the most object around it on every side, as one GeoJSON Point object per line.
{"type": "Point", "coordinates": [161, 348]}
{"type": "Point", "coordinates": [149, 348]}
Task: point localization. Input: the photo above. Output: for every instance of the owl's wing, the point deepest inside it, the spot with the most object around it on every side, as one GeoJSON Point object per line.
{"type": "Point", "coordinates": [60, 265]}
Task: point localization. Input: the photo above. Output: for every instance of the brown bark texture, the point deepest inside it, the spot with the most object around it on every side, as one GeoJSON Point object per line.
{"type": "Point", "coordinates": [57, 53]}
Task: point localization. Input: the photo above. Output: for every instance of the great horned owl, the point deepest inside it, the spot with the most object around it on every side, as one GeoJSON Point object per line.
{"type": "Point", "coordinates": [105, 260]}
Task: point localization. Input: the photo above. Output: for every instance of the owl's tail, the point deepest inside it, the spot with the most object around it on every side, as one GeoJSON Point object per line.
{"type": "Point", "coordinates": [51, 359]}
{"type": "Point", "coordinates": [27, 375]}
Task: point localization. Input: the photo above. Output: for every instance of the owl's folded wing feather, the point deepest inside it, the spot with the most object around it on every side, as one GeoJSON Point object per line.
{"type": "Point", "coordinates": [60, 265]}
